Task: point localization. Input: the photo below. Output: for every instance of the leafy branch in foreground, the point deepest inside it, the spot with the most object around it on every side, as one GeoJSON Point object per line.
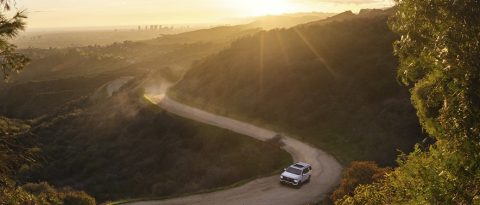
{"type": "Point", "coordinates": [10, 60]}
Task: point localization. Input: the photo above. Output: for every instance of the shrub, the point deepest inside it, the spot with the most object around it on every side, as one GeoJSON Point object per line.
{"type": "Point", "coordinates": [77, 198]}
{"type": "Point", "coordinates": [41, 193]}
{"type": "Point", "coordinates": [14, 195]}
{"type": "Point", "coordinates": [356, 174]}
{"type": "Point", "coordinates": [37, 189]}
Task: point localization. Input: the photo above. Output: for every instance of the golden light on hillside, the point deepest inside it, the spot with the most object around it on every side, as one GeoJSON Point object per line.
{"type": "Point", "coordinates": [314, 51]}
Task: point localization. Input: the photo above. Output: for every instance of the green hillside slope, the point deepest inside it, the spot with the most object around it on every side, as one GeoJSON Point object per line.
{"type": "Point", "coordinates": [332, 82]}
{"type": "Point", "coordinates": [123, 147]}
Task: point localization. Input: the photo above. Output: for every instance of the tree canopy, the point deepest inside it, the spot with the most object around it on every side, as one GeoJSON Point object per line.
{"type": "Point", "coordinates": [439, 54]}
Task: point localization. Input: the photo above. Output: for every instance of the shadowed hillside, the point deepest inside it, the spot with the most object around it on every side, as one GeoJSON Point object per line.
{"type": "Point", "coordinates": [332, 82]}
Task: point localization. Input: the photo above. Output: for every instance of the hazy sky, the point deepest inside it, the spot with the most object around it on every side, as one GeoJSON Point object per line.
{"type": "Point", "coordinates": [81, 13]}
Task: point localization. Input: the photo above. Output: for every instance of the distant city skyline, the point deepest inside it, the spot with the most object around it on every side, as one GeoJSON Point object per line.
{"type": "Point", "coordinates": [97, 13]}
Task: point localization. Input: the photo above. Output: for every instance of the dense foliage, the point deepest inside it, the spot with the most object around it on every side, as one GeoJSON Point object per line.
{"type": "Point", "coordinates": [332, 82]}
{"type": "Point", "coordinates": [439, 54]}
{"type": "Point", "coordinates": [356, 174]}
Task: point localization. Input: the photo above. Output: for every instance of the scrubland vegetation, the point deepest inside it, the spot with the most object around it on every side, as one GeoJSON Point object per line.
{"type": "Point", "coordinates": [123, 147]}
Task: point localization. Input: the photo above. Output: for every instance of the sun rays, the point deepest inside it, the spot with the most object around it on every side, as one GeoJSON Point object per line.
{"type": "Point", "coordinates": [282, 45]}
{"type": "Point", "coordinates": [314, 51]}
{"type": "Point", "coordinates": [261, 62]}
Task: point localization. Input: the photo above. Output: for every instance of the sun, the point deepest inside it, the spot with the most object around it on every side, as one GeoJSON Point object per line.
{"type": "Point", "coordinates": [264, 7]}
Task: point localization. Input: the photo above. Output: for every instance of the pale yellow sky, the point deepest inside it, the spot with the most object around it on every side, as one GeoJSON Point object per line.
{"type": "Point", "coordinates": [87, 13]}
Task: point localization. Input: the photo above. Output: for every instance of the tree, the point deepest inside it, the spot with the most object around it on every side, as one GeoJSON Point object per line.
{"type": "Point", "coordinates": [439, 54]}
{"type": "Point", "coordinates": [10, 59]}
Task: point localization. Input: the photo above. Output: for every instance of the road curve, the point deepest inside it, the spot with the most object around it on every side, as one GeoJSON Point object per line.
{"type": "Point", "coordinates": [264, 191]}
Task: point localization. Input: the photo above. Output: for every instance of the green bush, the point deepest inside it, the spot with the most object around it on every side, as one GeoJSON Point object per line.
{"type": "Point", "coordinates": [77, 198]}
{"type": "Point", "coordinates": [14, 195]}
{"type": "Point", "coordinates": [43, 192]}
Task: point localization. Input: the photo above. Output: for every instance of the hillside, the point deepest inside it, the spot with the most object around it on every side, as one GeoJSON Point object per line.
{"type": "Point", "coordinates": [120, 147]}
{"type": "Point", "coordinates": [218, 34]}
{"type": "Point", "coordinates": [123, 147]}
{"type": "Point", "coordinates": [58, 75]}
{"type": "Point", "coordinates": [333, 82]}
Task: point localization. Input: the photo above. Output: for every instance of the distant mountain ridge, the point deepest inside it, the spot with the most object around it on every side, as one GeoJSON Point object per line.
{"type": "Point", "coordinates": [228, 33]}
{"type": "Point", "coordinates": [288, 20]}
{"type": "Point", "coordinates": [349, 15]}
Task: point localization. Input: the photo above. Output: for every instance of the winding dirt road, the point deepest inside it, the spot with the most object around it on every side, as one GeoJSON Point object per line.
{"type": "Point", "coordinates": [265, 191]}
